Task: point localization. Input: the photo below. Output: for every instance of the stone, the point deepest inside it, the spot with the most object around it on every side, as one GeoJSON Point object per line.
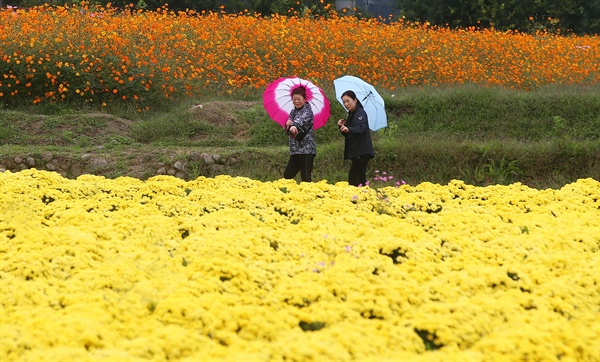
{"type": "Point", "coordinates": [219, 169]}
{"type": "Point", "coordinates": [195, 156]}
{"type": "Point", "coordinates": [99, 163]}
{"type": "Point", "coordinates": [207, 159]}
{"type": "Point", "coordinates": [47, 157]}
{"type": "Point", "coordinates": [179, 166]}
{"type": "Point", "coordinates": [30, 161]}
{"type": "Point", "coordinates": [220, 160]}
{"type": "Point", "coordinates": [76, 170]}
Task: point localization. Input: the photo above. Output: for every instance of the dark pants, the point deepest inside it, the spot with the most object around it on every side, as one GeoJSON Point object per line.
{"type": "Point", "coordinates": [358, 171]}
{"type": "Point", "coordinates": [302, 163]}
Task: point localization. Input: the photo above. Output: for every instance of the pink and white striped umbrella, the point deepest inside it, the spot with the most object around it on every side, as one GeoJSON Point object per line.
{"type": "Point", "coordinates": [277, 100]}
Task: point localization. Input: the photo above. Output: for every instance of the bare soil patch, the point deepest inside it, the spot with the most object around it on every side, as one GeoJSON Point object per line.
{"type": "Point", "coordinates": [221, 113]}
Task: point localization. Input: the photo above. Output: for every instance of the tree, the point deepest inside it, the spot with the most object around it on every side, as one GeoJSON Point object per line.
{"type": "Point", "coordinates": [265, 7]}
{"type": "Point", "coordinates": [283, 7]}
{"type": "Point", "coordinates": [579, 16]}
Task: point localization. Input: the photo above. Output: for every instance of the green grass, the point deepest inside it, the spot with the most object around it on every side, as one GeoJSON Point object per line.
{"type": "Point", "coordinates": [544, 138]}
{"type": "Point", "coordinates": [475, 114]}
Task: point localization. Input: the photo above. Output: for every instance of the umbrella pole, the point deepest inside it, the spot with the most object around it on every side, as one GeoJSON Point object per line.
{"type": "Point", "coordinates": [367, 96]}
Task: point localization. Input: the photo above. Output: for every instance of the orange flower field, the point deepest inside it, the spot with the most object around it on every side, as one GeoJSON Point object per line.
{"type": "Point", "coordinates": [234, 269]}
{"type": "Point", "coordinates": [105, 55]}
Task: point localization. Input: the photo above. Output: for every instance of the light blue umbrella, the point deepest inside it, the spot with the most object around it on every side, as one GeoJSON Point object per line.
{"type": "Point", "coordinates": [367, 95]}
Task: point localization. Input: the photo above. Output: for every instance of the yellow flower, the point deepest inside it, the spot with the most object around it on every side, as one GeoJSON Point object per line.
{"type": "Point", "coordinates": [232, 268]}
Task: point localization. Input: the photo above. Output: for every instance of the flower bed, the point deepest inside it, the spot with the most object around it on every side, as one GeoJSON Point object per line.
{"type": "Point", "coordinates": [232, 268]}
{"type": "Point", "coordinates": [96, 55]}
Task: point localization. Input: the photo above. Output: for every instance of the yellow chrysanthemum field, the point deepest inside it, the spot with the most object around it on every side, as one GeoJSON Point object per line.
{"type": "Point", "coordinates": [231, 268]}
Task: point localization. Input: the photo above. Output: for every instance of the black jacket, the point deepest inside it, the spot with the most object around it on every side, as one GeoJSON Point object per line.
{"type": "Point", "coordinates": [358, 138]}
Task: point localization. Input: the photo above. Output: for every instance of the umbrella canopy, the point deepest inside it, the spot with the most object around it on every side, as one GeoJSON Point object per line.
{"type": "Point", "coordinates": [277, 100]}
{"type": "Point", "coordinates": [367, 95]}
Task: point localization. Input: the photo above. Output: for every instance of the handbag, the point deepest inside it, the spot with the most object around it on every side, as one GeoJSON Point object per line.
{"type": "Point", "coordinates": [301, 131]}
{"type": "Point", "coordinates": [301, 134]}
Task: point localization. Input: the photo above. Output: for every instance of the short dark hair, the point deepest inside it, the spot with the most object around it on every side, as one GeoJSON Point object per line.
{"type": "Point", "coordinates": [301, 91]}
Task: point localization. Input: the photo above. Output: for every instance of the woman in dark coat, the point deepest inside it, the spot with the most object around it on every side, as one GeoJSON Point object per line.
{"type": "Point", "coordinates": [358, 146]}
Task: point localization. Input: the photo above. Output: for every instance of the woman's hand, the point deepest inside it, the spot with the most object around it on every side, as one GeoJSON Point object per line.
{"type": "Point", "coordinates": [342, 126]}
{"type": "Point", "coordinates": [288, 123]}
{"type": "Point", "coordinates": [293, 130]}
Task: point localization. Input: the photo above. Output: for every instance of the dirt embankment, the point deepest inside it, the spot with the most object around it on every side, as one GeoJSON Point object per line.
{"type": "Point", "coordinates": [104, 144]}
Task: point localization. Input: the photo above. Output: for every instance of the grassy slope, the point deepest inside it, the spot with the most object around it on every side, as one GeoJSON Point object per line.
{"type": "Point", "coordinates": [544, 138]}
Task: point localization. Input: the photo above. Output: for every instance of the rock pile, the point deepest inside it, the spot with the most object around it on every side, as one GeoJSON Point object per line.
{"type": "Point", "coordinates": [183, 166]}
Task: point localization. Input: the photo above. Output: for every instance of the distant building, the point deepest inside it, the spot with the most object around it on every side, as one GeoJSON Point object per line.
{"type": "Point", "coordinates": [382, 8]}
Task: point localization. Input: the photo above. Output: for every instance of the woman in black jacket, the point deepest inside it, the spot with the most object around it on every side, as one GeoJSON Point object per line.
{"type": "Point", "coordinates": [358, 145]}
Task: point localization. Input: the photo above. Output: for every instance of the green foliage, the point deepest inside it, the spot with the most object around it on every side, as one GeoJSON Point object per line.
{"type": "Point", "coordinates": [578, 16]}
{"type": "Point", "coordinates": [501, 172]}
{"type": "Point", "coordinates": [267, 134]}
{"type": "Point", "coordinates": [265, 7]}
{"type": "Point", "coordinates": [196, 169]}
{"type": "Point", "coordinates": [471, 113]}
{"type": "Point", "coordinates": [7, 133]}
{"type": "Point", "coordinates": [284, 7]}
{"type": "Point", "coordinates": [177, 125]}
{"type": "Point", "coordinates": [9, 130]}
{"type": "Point", "coordinates": [483, 136]}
